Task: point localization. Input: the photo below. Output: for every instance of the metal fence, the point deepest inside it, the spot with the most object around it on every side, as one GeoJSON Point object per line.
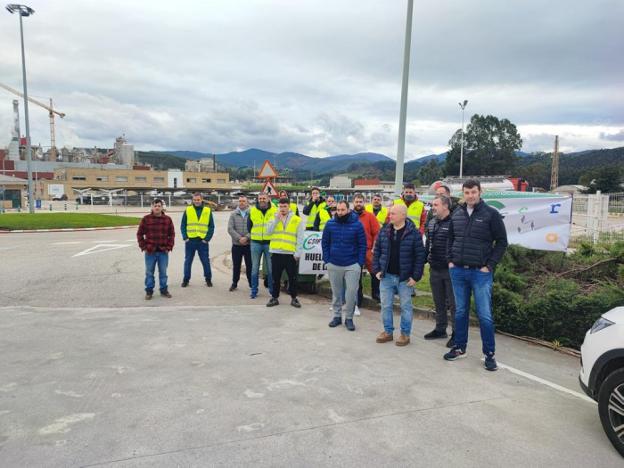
{"type": "Point", "coordinates": [598, 217]}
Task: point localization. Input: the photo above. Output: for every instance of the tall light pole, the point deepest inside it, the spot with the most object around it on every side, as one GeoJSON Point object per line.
{"type": "Point", "coordinates": [23, 10]}
{"type": "Point", "coordinates": [398, 178]}
{"type": "Point", "coordinates": [461, 151]}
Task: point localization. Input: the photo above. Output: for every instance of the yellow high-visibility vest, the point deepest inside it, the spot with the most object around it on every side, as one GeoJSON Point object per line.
{"type": "Point", "coordinates": [325, 216]}
{"type": "Point", "coordinates": [293, 207]}
{"type": "Point", "coordinates": [313, 212]}
{"type": "Point", "coordinates": [285, 239]}
{"type": "Point", "coordinates": [261, 223]}
{"type": "Point", "coordinates": [414, 211]}
{"type": "Point", "coordinates": [197, 227]}
{"type": "Point", "coordinates": [381, 216]}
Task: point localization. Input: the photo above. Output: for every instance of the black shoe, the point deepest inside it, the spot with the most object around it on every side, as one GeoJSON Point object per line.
{"type": "Point", "coordinates": [273, 302]}
{"type": "Point", "coordinates": [209, 283]}
{"type": "Point", "coordinates": [295, 303]}
{"type": "Point", "coordinates": [148, 296]}
{"type": "Point", "coordinates": [166, 294]}
{"type": "Point", "coordinates": [455, 353]}
{"type": "Point", "coordinates": [490, 362]}
{"type": "Point", "coordinates": [335, 322]}
{"type": "Point", "coordinates": [349, 324]}
{"type": "Point", "coordinates": [233, 287]}
{"type": "Point", "coordinates": [435, 334]}
{"type": "Point", "coordinates": [451, 342]}
{"type": "Point", "coordinates": [184, 284]}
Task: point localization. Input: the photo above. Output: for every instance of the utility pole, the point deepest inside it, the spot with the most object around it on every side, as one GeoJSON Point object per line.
{"type": "Point", "coordinates": [461, 151]}
{"type": "Point", "coordinates": [554, 172]}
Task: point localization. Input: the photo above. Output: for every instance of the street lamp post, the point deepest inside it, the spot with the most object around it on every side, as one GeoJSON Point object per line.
{"type": "Point", "coordinates": [23, 10]}
{"type": "Point", "coordinates": [461, 151]}
{"type": "Point", "coordinates": [398, 178]}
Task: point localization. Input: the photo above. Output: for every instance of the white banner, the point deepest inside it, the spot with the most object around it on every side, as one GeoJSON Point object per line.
{"type": "Point", "coordinates": [311, 261]}
{"type": "Point", "coordinates": [539, 221]}
{"type": "Point", "coordinates": [56, 190]}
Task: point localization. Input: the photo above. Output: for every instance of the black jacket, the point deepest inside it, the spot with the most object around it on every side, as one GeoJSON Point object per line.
{"type": "Point", "coordinates": [437, 239]}
{"type": "Point", "coordinates": [478, 240]}
{"type": "Point", "coordinates": [411, 256]}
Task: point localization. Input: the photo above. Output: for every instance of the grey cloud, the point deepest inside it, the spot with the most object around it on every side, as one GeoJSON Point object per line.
{"type": "Point", "coordinates": [619, 136]}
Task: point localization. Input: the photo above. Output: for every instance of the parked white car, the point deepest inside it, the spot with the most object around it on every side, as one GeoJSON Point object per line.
{"type": "Point", "coordinates": [602, 372]}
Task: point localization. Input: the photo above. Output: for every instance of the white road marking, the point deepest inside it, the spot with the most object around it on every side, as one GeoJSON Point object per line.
{"type": "Point", "coordinates": [107, 241]}
{"type": "Point", "coordinates": [100, 248]}
{"type": "Point", "coordinates": [552, 385]}
{"type": "Point", "coordinates": [62, 425]}
{"type": "Point", "coordinates": [67, 243]}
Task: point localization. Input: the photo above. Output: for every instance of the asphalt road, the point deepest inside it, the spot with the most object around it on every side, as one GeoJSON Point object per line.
{"type": "Point", "coordinates": [92, 375]}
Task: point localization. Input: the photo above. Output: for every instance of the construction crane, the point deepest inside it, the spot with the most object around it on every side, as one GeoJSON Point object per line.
{"type": "Point", "coordinates": [51, 112]}
{"type": "Point", "coordinates": [554, 173]}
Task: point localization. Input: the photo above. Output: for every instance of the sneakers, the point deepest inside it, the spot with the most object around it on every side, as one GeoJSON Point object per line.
{"type": "Point", "coordinates": [253, 295]}
{"type": "Point", "coordinates": [209, 283]}
{"type": "Point", "coordinates": [349, 324]}
{"type": "Point", "coordinates": [273, 302]}
{"type": "Point", "coordinates": [435, 334]}
{"type": "Point", "coordinates": [384, 337]}
{"type": "Point", "coordinates": [490, 362]}
{"type": "Point", "coordinates": [451, 342]}
{"type": "Point", "coordinates": [335, 322]}
{"type": "Point", "coordinates": [455, 353]}
{"type": "Point", "coordinates": [403, 340]}
{"type": "Point", "coordinates": [356, 311]}
{"type": "Point", "coordinates": [233, 287]}
{"type": "Point", "coordinates": [166, 294]}
{"type": "Point", "coordinates": [295, 303]}
{"type": "Point", "coordinates": [148, 296]}
{"type": "Point", "coordinates": [184, 284]}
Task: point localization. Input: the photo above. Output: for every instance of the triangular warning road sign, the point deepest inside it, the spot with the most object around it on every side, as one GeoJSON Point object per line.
{"type": "Point", "coordinates": [269, 188]}
{"type": "Point", "coordinates": [267, 171]}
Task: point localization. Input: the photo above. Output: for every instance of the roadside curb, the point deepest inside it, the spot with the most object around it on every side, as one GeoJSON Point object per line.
{"type": "Point", "coordinates": [109, 228]}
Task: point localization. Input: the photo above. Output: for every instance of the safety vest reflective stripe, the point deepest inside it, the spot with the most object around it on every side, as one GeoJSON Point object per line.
{"type": "Point", "coordinates": [285, 239]}
{"type": "Point", "coordinates": [414, 211]}
{"type": "Point", "coordinates": [197, 227]}
{"type": "Point", "coordinates": [260, 223]}
{"type": "Point", "coordinates": [313, 212]}
{"type": "Point", "coordinates": [381, 216]}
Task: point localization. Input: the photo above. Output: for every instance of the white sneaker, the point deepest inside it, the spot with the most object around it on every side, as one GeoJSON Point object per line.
{"type": "Point", "coordinates": [356, 311]}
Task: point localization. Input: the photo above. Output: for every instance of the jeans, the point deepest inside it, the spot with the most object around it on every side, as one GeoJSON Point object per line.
{"type": "Point", "coordinates": [257, 251]}
{"type": "Point", "coordinates": [465, 282]}
{"type": "Point", "coordinates": [344, 284]}
{"type": "Point", "coordinates": [443, 297]}
{"type": "Point", "coordinates": [387, 287]}
{"type": "Point", "coordinates": [279, 263]}
{"type": "Point", "coordinates": [240, 252]}
{"type": "Point", "coordinates": [151, 260]}
{"type": "Point", "coordinates": [201, 247]}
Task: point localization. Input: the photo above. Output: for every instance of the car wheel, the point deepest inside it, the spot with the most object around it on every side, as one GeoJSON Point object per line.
{"type": "Point", "coordinates": [611, 408]}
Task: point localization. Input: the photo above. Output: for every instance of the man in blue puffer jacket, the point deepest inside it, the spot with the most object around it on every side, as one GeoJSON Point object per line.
{"type": "Point", "coordinates": [398, 262]}
{"type": "Point", "coordinates": [344, 252]}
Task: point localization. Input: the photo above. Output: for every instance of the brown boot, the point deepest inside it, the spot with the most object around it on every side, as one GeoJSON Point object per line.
{"type": "Point", "coordinates": [403, 340]}
{"type": "Point", "coordinates": [384, 337]}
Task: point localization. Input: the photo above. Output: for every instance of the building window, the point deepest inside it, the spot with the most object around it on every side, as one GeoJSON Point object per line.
{"type": "Point", "coordinates": [206, 181]}
{"type": "Point", "coordinates": [103, 178]}
{"type": "Point", "coordinates": [79, 177]}
{"type": "Point", "coordinates": [191, 180]}
{"type": "Point", "coordinates": [121, 178]}
{"type": "Point", "coordinates": [159, 180]}
{"type": "Point", "coordinates": [140, 179]}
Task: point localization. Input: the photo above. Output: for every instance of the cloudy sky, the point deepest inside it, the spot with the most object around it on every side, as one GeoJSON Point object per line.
{"type": "Point", "coordinates": [318, 77]}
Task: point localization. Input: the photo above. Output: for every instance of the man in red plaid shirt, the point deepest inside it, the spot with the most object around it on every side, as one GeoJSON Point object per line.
{"type": "Point", "coordinates": [156, 237]}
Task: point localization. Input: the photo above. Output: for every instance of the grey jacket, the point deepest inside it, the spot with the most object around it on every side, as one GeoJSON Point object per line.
{"type": "Point", "coordinates": [300, 234]}
{"type": "Point", "coordinates": [237, 227]}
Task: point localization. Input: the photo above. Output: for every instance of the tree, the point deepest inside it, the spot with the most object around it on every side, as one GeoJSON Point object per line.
{"type": "Point", "coordinates": [430, 172]}
{"type": "Point", "coordinates": [605, 179]}
{"type": "Point", "coordinates": [489, 147]}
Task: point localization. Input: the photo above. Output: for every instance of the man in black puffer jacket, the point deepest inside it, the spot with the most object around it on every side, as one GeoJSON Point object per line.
{"type": "Point", "coordinates": [476, 244]}
{"type": "Point", "coordinates": [398, 263]}
{"type": "Point", "coordinates": [441, 288]}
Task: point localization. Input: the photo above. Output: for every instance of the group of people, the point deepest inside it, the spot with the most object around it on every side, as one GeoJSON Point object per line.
{"type": "Point", "coordinates": [464, 241]}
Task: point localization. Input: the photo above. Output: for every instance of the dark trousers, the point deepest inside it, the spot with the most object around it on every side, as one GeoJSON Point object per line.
{"type": "Point", "coordinates": [443, 297]}
{"type": "Point", "coordinates": [374, 287]}
{"type": "Point", "coordinates": [360, 294]}
{"type": "Point", "coordinates": [240, 252]}
{"type": "Point", "coordinates": [196, 245]}
{"type": "Point", "coordinates": [279, 263]}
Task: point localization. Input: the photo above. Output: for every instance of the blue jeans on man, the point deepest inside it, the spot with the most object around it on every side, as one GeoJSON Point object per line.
{"type": "Point", "coordinates": [388, 286]}
{"type": "Point", "coordinates": [193, 245]}
{"type": "Point", "coordinates": [151, 260]}
{"type": "Point", "coordinates": [257, 250]}
{"type": "Point", "coordinates": [467, 281]}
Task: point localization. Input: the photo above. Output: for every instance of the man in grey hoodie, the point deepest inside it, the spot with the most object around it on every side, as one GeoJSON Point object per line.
{"type": "Point", "coordinates": [239, 232]}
